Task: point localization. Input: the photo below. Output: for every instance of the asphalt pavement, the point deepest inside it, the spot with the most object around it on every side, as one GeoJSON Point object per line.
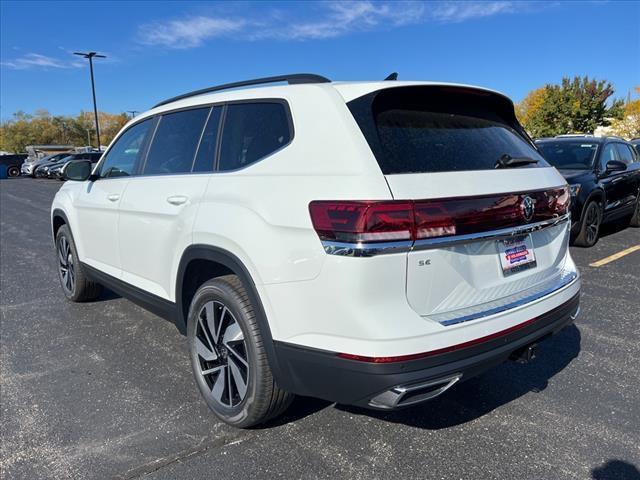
{"type": "Point", "coordinates": [104, 389]}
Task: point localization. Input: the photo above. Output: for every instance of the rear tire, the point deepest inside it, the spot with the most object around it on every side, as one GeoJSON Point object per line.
{"type": "Point", "coordinates": [73, 280]}
{"type": "Point", "coordinates": [13, 171]}
{"type": "Point", "coordinates": [635, 218]}
{"type": "Point", "coordinates": [590, 225]}
{"type": "Point", "coordinates": [228, 357]}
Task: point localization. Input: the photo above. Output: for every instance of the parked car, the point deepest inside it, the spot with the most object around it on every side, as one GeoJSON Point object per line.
{"type": "Point", "coordinates": [604, 176]}
{"type": "Point", "coordinates": [42, 170]}
{"type": "Point", "coordinates": [30, 164]}
{"type": "Point", "coordinates": [12, 163]}
{"type": "Point", "coordinates": [367, 243]}
{"type": "Point", "coordinates": [54, 169]}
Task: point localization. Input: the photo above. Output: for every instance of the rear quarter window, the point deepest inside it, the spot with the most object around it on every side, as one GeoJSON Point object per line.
{"type": "Point", "coordinates": [251, 132]}
{"type": "Point", "coordinates": [431, 129]}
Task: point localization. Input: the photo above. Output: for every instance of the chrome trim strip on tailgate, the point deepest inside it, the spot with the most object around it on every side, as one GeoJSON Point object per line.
{"type": "Point", "coordinates": [440, 242]}
{"type": "Point", "coordinates": [347, 249]}
{"type": "Point", "coordinates": [548, 287]}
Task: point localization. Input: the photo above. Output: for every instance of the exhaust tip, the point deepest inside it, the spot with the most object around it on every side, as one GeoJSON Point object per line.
{"type": "Point", "coordinates": [404, 395]}
{"type": "Point", "coordinates": [525, 354]}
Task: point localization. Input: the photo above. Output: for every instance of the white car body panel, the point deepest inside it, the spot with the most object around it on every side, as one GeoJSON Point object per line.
{"type": "Point", "coordinates": [96, 206]}
{"type": "Point", "coordinates": [153, 232]}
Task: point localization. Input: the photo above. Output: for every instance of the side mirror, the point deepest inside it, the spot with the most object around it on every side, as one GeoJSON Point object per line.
{"type": "Point", "coordinates": [615, 166]}
{"type": "Point", "coordinates": [78, 171]}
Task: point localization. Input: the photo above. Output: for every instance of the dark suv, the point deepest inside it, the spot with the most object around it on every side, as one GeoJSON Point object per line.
{"type": "Point", "coordinates": [604, 175]}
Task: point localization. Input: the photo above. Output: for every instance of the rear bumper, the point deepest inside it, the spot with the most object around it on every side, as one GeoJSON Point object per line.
{"type": "Point", "coordinates": [325, 375]}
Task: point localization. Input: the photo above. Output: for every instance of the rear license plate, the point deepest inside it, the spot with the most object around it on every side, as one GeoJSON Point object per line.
{"type": "Point", "coordinates": [516, 254]}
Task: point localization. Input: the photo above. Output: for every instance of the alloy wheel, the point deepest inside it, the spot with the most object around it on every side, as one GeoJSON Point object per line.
{"type": "Point", "coordinates": [222, 354]}
{"type": "Point", "coordinates": [592, 223]}
{"type": "Point", "coordinates": [65, 265]}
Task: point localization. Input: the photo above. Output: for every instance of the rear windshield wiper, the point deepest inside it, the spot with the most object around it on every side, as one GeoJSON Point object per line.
{"type": "Point", "coordinates": [507, 161]}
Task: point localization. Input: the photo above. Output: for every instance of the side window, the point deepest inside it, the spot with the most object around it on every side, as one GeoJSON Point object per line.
{"type": "Point", "coordinates": [624, 153]}
{"type": "Point", "coordinates": [207, 149]}
{"type": "Point", "coordinates": [608, 154]}
{"type": "Point", "coordinates": [252, 131]}
{"type": "Point", "coordinates": [123, 155]}
{"type": "Point", "coordinates": [175, 142]}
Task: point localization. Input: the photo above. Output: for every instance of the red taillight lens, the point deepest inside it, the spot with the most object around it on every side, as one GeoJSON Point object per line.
{"type": "Point", "coordinates": [388, 221]}
{"type": "Point", "coordinates": [362, 221]}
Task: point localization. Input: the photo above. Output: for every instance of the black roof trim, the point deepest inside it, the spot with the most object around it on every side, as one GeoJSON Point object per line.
{"type": "Point", "coordinates": [292, 79]}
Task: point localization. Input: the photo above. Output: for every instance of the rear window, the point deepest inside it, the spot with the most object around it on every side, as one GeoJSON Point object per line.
{"type": "Point", "coordinates": [569, 155]}
{"type": "Point", "coordinates": [175, 142]}
{"type": "Point", "coordinates": [434, 129]}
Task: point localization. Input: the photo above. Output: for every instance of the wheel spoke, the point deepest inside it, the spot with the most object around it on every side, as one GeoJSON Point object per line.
{"type": "Point", "coordinates": [236, 355]}
{"type": "Point", "coordinates": [219, 384]}
{"type": "Point", "coordinates": [209, 371]}
{"type": "Point", "coordinates": [205, 352]}
{"type": "Point", "coordinates": [61, 256]}
{"type": "Point", "coordinates": [239, 381]}
{"type": "Point", "coordinates": [220, 321]}
{"type": "Point", "coordinates": [205, 332]}
{"type": "Point", "coordinates": [210, 331]}
{"type": "Point", "coordinates": [233, 333]}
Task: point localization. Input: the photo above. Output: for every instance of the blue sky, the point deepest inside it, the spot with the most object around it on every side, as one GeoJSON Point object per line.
{"type": "Point", "coordinates": [159, 49]}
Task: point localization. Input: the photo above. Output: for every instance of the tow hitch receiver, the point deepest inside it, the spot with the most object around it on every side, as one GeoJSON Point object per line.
{"type": "Point", "coordinates": [525, 354]}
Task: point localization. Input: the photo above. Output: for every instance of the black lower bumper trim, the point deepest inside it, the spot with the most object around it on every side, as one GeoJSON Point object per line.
{"type": "Point", "coordinates": [322, 374]}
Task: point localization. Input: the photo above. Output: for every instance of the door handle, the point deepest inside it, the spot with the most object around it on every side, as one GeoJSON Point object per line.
{"type": "Point", "coordinates": [177, 199]}
{"type": "Point", "coordinates": [114, 197]}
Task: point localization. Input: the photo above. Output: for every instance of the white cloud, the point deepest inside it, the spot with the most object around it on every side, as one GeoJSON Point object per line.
{"type": "Point", "coordinates": [188, 32]}
{"type": "Point", "coordinates": [453, 12]}
{"type": "Point", "coordinates": [37, 61]}
{"type": "Point", "coordinates": [324, 20]}
{"type": "Point", "coordinates": [346, 17]}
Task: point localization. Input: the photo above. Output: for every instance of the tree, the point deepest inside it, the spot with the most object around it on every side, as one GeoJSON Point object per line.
{"type": "Point", "coordinates": [530, 106]}
{"type": "Point", "coordinates": [577, 105]}
{"type": "Point", "coordinates": [629, 125]}
{"type": "Point", "coordinates": [43, 128]}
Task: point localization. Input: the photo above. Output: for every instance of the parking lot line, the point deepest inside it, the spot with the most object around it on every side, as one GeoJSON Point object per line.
{"type": "Point", "coordinates": [615, 256]}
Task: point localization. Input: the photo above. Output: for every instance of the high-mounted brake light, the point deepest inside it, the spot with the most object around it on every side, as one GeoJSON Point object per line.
{"type": "Point", "coordinates": [409, 220]}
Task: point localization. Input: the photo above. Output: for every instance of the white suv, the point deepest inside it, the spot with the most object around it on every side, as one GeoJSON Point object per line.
{"type": "Point", "coordinates": [368, 243]}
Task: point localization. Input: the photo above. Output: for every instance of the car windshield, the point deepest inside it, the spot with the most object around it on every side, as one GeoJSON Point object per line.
{"type": "Point", "coordinates": [565, 155]}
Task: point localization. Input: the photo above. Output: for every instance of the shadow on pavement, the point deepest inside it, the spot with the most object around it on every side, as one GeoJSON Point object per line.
{"type": "Point", "coordinates": [106, 295]}
{"type": "Point", "coordinates": [614, 227]}
{"type": "Point", "coordinates": [480, 395]}
{"type": "Point", "coordinates": [616, 470]}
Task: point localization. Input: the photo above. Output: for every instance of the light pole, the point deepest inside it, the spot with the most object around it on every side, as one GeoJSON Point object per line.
{"type": "Point", "coordinates": [90, 56]}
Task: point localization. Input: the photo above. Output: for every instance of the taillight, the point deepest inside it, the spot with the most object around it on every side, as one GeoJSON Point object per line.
{"type": "Point", "coordinates": [367, 221]}
{"type": "Point", "coordinates": [397, 220]}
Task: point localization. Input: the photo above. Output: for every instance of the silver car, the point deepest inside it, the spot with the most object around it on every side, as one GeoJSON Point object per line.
{"type": "Point", "coordinates": [31, 164]}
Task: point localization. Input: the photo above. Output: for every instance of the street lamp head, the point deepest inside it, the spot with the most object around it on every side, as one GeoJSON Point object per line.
{"type": "Point", "coordinates": [89, 54]}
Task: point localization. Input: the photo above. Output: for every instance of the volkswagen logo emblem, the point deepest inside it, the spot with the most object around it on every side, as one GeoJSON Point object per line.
{"type": "Point", "coordinates": [528, 208]}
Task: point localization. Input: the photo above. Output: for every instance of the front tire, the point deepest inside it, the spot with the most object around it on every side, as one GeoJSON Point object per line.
{"type": "Point", "coordinates": [228, 357]}
{"type": "Point", "coordinates": [13, 171]}
{"type": "Point", "coordinates": [590, 225]}
{"type": "Point", "coordinates": [75, 284]}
